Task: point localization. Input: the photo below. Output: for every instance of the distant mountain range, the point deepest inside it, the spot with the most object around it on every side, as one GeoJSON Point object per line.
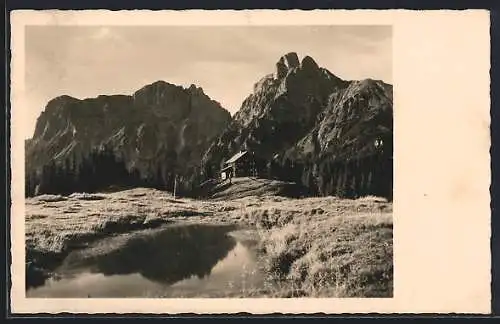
{"type": "Point", "coordinates": [302, 121]}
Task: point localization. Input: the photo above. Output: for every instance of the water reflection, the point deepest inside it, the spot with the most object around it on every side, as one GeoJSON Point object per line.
{"type": "Point", "coordinates": [182, 261]}
{"type": "Point", "coordinates": [168, 256]}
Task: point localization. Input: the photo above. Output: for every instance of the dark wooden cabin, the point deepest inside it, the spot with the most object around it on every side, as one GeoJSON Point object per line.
{"type": "Point", "coordinates": [241, 164]}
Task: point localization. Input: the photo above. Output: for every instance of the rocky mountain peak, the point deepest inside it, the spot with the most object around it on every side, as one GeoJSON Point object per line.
{"type": "Point", "coordinates": [156, 87]}
{"type": "Point", "coordinates": [304, 115]}
{"type": "Point", "coordinates": [161, 127]}
{"type": "Point", "coordinates": [301, 121]}
{"type": "Point", "coordinates": [193, 89]}
{"type": "Point", "coordinates": [291, 60]}
{"type": "Point", "coordinates": [60, 101]}
{"type": "Point", "coordinates": [286, 63]}
{"type": "Point", "coordinates": [63, 98]}
{"type": "Point", "coordinates": [308, 63]}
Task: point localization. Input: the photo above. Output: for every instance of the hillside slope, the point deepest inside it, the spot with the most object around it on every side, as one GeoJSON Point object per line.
{"type": "Point", "coordinates": [253, 186]}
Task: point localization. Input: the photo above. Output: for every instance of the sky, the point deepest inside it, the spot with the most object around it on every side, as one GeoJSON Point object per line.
{"type": "Point", "coordinates": [226, 61]}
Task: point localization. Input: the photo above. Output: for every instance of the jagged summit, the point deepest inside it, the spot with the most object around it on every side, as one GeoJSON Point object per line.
{"type": "Point", "coordinates": [290, 64]}
{"type": "Point", "coordinates": [285, 63]}
{"type": "Point", "coordinates": [195, 89]}
{"type": "Point", "coordinates": [308, 63]}
{"type": "Point", "coordinates": [159, 85]}
{"type": "Point", "coordinates": [165, 87]}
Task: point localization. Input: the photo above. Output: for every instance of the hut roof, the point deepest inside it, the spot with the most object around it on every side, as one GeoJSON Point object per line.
{"type": "Point", "coordinates": [236, 157]}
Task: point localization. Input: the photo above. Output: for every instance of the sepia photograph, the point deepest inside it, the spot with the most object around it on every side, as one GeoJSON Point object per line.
{"type": "Point", "coordinates": [254, 161]}
{"type": "Point", "coordinates": [201, 161]}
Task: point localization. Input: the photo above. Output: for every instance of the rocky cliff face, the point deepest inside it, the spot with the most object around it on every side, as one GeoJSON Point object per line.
{"type": "Point", "coordinates": [283, 108]}
{"type": "Point", "coordinates": [306, 124]}
{"type": "Point", "coordinates": [161, 127]}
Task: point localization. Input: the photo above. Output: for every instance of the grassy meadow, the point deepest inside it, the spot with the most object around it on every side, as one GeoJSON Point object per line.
{"type": "Point", "coordinates": [314, 247]}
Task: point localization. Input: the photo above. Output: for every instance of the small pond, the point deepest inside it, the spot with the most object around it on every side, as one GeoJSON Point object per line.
{"type": "Point", "coordinates": [177, 261]}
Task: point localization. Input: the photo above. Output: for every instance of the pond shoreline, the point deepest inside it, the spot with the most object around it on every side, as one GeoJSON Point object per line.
{"type": "Point", "coordinates": [41, 266]}
{"type": "Point", "coordinates": [316, 247]}
{"type": "Point", "coordinates": [176, 254]}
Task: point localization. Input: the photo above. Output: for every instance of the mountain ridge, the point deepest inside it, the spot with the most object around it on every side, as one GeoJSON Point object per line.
{"type": "Point", "coordinates": [303, 115]}
{"type": "Point", "coordinates": [161, 126]}
{"type": "Point", "coordinates": [303, 123]}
